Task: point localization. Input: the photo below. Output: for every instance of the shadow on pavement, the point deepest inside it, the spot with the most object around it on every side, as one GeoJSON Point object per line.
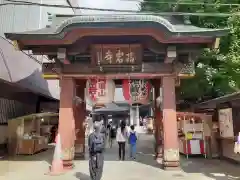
{"type": "Point", "coordinates": [213, 168]}
{"type": "Point", "coordinates": [45, 155]}
{"type": "Point", "coordinates": [82, 176]}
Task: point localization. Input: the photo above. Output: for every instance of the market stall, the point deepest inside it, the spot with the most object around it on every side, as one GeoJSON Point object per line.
{"type": "Point", "coordinates": [228, 133]}
{"type": "Point", "coordinates": [193, 132]}
{"type": "Point", "coordinates": [226, 125]}
{"type": "Point", "coordinates": [29, 134]}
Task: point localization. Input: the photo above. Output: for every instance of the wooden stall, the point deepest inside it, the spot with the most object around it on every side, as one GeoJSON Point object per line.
{"type": "Point", "coordinates": [28, 134]}
{"type": "Point", "coordinates": [226, 127]}
{"type": "Point", "coordinates": [193, 132]}
{"type": "Point", "coordinates": [228, 130]}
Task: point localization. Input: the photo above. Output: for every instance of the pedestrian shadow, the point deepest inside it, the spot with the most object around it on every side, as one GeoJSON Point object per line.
{"type": "Point", "coordinates": [82, 176]}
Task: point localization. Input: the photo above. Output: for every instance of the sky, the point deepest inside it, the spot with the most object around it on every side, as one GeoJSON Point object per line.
{"type": "Point", "coordinates": [108, 4]}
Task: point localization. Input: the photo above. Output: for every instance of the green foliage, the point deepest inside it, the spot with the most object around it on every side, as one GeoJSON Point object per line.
{"type": "Point", "coordinates": [217, 72]}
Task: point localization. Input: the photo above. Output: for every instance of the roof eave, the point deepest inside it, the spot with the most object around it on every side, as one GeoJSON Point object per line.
{"type": "Point", "coordinates": [213, 102]}
{"type": "Point", "coordinates": [56, 32]}
{"type": "Point", "coordinates": [14, 36]}
{"type": "Point", "coordinates": [207, 33]}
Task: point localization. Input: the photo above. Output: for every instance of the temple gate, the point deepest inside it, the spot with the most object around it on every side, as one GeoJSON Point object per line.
{"type": "Point", "coordinates": [160, 50]}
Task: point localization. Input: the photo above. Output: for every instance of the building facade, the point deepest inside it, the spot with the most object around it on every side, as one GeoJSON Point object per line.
{"type": "Point", "coordinates": [22, 86]}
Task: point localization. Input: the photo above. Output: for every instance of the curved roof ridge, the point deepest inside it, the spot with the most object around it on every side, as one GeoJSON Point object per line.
{"type": "Point", "coordinates": [116, 18]}
{"type": "Point", "coordinates": [172, 27]}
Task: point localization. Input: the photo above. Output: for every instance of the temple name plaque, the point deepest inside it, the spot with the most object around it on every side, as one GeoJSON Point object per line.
{"type": "Point", "coordinates": [122, 54]}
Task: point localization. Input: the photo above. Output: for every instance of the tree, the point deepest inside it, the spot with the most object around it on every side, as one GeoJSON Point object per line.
{"type": "Point", "coordinates": [233, 56]}
{"type": "Point", "coordinates": [217, 72]}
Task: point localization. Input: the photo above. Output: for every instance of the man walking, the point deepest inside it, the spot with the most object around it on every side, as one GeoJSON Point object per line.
{"type": "Point", "coordinates": [96, 147]}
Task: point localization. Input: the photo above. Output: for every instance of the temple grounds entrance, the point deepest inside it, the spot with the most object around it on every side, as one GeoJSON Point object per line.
{"type": "Point", "coordinates": [144, 53]}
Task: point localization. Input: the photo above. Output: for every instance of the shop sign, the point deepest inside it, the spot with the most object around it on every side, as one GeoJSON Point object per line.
{"type": "Point", "coordinates": [225, 123]}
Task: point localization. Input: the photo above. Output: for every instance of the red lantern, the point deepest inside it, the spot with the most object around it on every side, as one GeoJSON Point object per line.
{"type": "Point", "coordinates": [136, 90]}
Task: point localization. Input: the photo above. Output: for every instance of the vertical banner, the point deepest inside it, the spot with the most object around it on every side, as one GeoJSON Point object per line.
{"type": "Point", "coordinates": [136, 90]}
{"type": "Point", "coordinates": [100, 91]}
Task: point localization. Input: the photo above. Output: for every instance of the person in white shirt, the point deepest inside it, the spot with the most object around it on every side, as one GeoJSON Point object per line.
{"type": "Point", "coordinates": [121, 138]}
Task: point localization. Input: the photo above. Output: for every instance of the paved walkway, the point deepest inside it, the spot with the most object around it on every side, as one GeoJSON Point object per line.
{"type": "Point", "coordinates": [34, 167]}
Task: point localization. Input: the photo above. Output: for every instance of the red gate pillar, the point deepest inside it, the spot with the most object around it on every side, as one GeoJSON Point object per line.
{"type": "Point", "coordinates": [170, 136]}
{"type": "Point", "coordinates": [158, 124]}
{"type": "Point", "coordinates": [66, 125]}
{"type": "Point", "coordinates": [80, 115]}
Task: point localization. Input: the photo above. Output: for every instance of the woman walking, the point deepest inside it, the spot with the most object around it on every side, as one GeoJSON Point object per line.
{"type": "Point", "coordinates": [121, 138]}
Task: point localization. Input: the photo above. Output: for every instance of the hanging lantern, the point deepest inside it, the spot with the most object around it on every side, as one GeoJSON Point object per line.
{"type": "Point", "coordinates": [136, 91]}
{"type": "Point", "coordinates": [159, 99]}
{"type": "Point", "coordinates": [100, 91]}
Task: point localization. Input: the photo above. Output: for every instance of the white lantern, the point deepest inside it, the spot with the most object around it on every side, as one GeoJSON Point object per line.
{"type": "Point", "coordinates": [159, 99]}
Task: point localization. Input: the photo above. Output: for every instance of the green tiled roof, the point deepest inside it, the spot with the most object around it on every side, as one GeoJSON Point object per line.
{"type": "Point", "coordinates": [172, 26]}
{"type": "Point", "coordinates": [133, 18]}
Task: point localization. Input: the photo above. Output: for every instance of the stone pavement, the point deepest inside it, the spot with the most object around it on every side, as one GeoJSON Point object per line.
{"type": "Point", "coordinates": [34, 167]}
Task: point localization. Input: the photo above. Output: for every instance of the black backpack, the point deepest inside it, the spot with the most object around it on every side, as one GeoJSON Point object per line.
{"type": "Point", "coordinates": [97, 143]}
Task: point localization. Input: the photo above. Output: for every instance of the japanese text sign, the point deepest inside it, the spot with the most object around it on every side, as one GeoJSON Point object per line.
{"type": "Point", "coordinates": [117, 54]}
